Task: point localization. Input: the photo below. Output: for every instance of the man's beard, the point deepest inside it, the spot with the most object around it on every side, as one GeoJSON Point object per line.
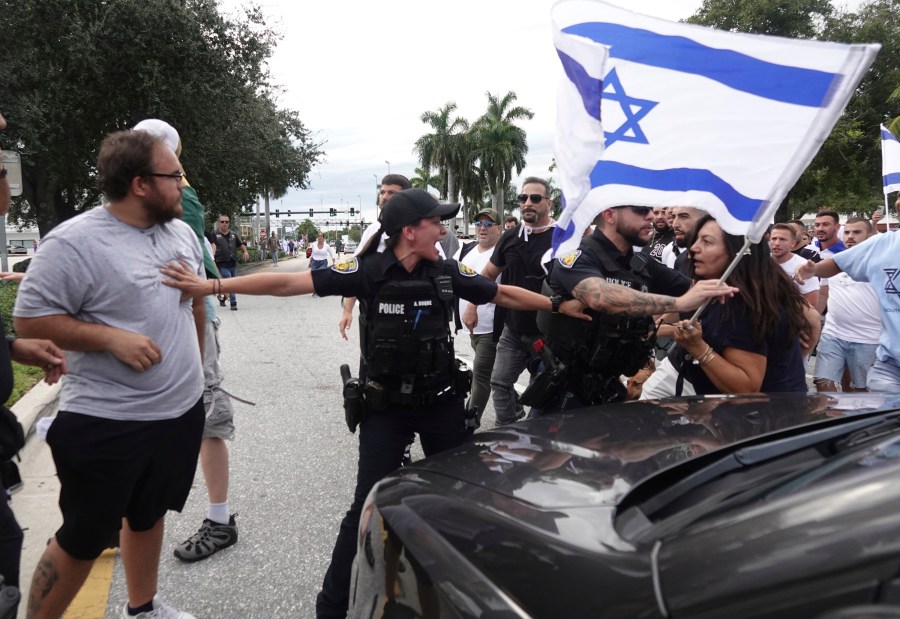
{"type": "Point", "coordinates": [634, 238]}
{"type": "Point", "coordinates": [161, 212]}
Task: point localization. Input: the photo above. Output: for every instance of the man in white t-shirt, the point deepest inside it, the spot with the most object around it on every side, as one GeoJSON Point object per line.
{"type": "Point", "coordinates": [476, 255]}
{"type": "Point", "coordinates": [851, 333]}
{"type": "Point", "coordinates": [781, 241]}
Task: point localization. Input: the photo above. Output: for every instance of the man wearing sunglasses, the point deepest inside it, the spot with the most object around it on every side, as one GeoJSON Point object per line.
{"type": "Point", "coordinates": [484, 337]}
{"type": "Point", "coordinates": [518, 257]}
{"type": "Point", "coordinates": [623, 292]}
{"type": "Point", "coordinates": [227, 243]}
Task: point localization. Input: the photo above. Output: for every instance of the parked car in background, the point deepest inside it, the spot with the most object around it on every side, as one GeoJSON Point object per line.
{"type": "Point", "coordinates": [16, 250]}
{"type": "Point", "coordinates": [350, 247]}
{"type": "Point", "coordinates": [728, 506]}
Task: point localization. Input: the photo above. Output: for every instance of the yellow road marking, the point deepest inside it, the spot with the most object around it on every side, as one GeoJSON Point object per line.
{"type": "Point", "coordinates": [90, 603]}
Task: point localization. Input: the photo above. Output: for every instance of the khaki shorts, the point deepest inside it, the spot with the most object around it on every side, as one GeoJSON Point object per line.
{"type": "Point", "coordinates": [217, 403]}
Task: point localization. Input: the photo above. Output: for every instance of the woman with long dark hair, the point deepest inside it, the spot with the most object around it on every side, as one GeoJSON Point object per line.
{"type": "Point", "coordinates": [750, 343]}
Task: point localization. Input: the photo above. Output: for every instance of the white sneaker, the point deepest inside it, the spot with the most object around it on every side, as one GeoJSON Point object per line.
{"type": "Point", "coordinates": [161, 610]}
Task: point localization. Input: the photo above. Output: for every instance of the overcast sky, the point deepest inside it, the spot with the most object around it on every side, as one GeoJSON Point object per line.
{"type": "Point", "coordinates": [361, 74]}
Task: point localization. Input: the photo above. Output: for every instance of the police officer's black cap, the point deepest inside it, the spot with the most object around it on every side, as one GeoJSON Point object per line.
{"type": "Point", "coordinates": [411, 205]}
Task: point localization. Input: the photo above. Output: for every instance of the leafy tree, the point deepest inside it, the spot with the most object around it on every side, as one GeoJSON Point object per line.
{"type": "Point", "coordinates": [423, 180]}
{"type": "Point", "coordinates": [785, 18]}
{"type": "Point", "coordinates": [308, 228]}
{"type": "Point", "coordinates": [441, 148]}
{"type": "Point", "coordinates": [78, 69]}
{"type": "Point", "coordinates": [499, 144]}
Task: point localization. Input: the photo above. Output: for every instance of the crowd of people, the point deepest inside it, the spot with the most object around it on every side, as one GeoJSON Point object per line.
{"type": "Point", "coordinates": [143, 402]}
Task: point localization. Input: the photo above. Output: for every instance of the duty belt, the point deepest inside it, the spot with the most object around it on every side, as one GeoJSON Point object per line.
{"type": "Point", "coordinates": [418, 400]}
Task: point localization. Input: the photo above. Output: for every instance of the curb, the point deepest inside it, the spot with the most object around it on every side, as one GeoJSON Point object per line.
{"type": "Point", "coordinates": [42, 400]}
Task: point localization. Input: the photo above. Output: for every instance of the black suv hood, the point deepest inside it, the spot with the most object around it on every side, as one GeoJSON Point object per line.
{"type": "Point", "coordinates": [593, 457]}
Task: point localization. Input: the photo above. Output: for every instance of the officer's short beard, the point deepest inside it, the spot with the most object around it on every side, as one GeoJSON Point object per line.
{"type": "Point", "coordinates": [635, 238]}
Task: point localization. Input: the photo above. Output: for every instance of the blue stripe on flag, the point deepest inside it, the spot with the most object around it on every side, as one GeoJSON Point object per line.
{"type": "Point", "coordinates": [891, 179]}
{"type": "Point", "coordinates": [560, 236]}
{"type": "Point", "coordinates": [765, 79]}
{"type": "Point", "coordinates": [588, 87]}
{"type": "Point", "coordinates": [740, 206]}
{"type": "Point", "coordinates": [887, 135]}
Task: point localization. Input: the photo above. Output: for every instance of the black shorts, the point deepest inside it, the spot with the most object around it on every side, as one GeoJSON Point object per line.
{"type": "Point", "coordinates": [109, 470]}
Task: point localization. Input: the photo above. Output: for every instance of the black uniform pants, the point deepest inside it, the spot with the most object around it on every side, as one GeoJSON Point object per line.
{"type": "Point", "coordinates": [11, 537]}
{"type": "Point", "coordinates": [383, 437]}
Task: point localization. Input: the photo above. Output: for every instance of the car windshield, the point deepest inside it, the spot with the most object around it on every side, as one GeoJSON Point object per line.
{"type": "Point", "coordinates": [757, 473]}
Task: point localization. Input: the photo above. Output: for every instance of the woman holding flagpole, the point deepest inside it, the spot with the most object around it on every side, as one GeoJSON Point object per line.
{"type": "Point", "coordinates": [750, 343]}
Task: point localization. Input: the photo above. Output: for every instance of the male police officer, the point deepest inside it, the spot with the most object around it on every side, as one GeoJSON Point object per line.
{"type": "Point", "coordinates": [413, 383]}
{"type": "Point", "coordinates": [622, 293]}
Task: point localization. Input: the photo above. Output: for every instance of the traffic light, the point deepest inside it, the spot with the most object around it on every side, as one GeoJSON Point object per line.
{"type": "Point", "coordinates": [276, 212]}
{"type": "Point", "coordinates": [332, 212]}
{"type": "Point", "coordinates": [311, 214]}
{"type": "Point", "coordinates": [289, 214]}
{"type": "Point", "coordinates": [352, 211]}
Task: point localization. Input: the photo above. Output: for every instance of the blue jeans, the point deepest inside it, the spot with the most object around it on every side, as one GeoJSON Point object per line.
{"type": "Point", "coordinates": [884, 376]}
{"type": "Point", "coordinates": [316, 265]}
{"type": "Point", "coordinates": [226, 273]}
{"type": "Point", "coordinates": [514, 351]}
{"type": "Point", "coordinates": [833, 354]}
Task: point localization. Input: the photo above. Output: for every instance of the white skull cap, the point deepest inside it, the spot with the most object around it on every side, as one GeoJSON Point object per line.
{"type": "Point", "coordinates": [162, 130]}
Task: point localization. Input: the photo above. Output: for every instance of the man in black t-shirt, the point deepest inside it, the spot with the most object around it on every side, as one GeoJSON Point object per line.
{"type": "Point", "coordinates": [518, 256]}
{"type": "Point", "coordinates": [226, 244]}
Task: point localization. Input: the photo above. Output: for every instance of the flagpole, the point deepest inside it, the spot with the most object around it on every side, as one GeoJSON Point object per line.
{"type": "Point", "coordinates": [731, 267]}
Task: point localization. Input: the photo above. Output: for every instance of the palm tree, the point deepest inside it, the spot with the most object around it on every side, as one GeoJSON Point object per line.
{"type": "Point", "coordinates": [500, 145]}
{"type": "Point", "coordinates": [423, 180]}
{"type": "Point", "coordinates": [441, 149]}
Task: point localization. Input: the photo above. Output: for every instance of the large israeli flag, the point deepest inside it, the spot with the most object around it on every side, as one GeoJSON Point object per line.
{"type": "Point", "coordinates": [890, 161]}
{"type": "Point", "coordinates": [691, 116]}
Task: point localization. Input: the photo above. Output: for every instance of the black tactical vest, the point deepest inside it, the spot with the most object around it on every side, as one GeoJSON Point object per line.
{"type": "Point", "coordinates": [226, 247]}
{"type": "Point", "coordinates": [407, 345]}
{"type": "Point", "coordinates": [609, 345]}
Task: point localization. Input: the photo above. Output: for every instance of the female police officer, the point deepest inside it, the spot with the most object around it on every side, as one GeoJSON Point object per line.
{"type": "Point", "coordinates": [412, 380]}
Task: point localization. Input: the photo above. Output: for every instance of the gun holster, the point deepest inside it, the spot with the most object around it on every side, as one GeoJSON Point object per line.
{"type": "Point", "coordinates": [354, 404]}
{"type": "Point", "coordinates": [546, 385]}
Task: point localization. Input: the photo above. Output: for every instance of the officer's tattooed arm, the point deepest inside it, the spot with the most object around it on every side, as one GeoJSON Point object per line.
{"type": "Point", "coordinates": [601, 295]}
{"type": "Point", "coordinates": [598, 294]}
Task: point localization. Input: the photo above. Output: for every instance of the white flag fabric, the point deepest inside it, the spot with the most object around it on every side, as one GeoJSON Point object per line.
{"type": "Point", "coordinates": [692, 116]}
{"type": "Point", "coordinates": [890, 161]}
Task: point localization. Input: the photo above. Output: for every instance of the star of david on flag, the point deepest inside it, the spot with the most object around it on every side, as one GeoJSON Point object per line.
{"type": "Point", "coordinates": [890, 161]}
{"type": "Point", "coordinates": [691, 116]}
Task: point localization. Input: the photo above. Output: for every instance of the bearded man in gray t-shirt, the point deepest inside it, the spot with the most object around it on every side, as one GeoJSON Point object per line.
{"type": "Point", "coordinates": [126, 440]}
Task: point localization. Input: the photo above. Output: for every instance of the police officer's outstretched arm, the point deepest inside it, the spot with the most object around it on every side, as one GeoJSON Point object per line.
{"type": "Point", "coordinates": [516, 298]}
{"type": "Point", "coordinates": [601, 295]}
{"type": "Point", "coordinates": [273, 284]}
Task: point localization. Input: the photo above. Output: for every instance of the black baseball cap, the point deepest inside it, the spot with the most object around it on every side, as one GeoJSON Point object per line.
{"type": "Point", "coordinates": [411, 205]}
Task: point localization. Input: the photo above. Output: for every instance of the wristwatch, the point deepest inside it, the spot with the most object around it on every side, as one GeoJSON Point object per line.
{"type": "Point", "coordinates": [555, 300]}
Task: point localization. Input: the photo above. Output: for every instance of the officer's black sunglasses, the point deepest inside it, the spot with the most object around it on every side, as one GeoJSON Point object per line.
{"type": "Point", "coordinates": [641, 211]}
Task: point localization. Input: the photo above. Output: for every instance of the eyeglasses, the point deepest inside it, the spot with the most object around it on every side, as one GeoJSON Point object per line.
{"type": "Point", "coordinates": [223, 221]}
{"type": "Point", "coordinates": [641, 211]}
{"type": "Point", "coordinates": [174, 175]}
{"type": "Point", "coordinates": [536, 198]}
{"type": "Point", "coordinates": [484, 224]}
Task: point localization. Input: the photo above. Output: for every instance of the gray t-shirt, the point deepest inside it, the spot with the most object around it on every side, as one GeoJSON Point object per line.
{"type": "Point", "coordinates": [101, 270]}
